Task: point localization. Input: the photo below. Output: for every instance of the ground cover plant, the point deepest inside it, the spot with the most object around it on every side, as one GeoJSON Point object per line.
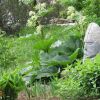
{"type": "Point", "coordinates": [43, 61]}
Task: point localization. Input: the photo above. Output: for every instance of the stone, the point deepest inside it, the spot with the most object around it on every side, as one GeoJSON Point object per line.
{"type": "Point", "coordinates": [45, 1]}
{"type": "Point", "coordinates": [92, 41]}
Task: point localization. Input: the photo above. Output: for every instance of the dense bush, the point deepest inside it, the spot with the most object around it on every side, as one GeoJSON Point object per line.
{"type": "Point", "coordinates": [11, 84]}
{"type": "Point", "coordinates": [89, 75]}
{"type": "Point", "coordinates": [80, 81]}
{"type": "Point", "coordinates": [67, 88]}
{"type": "Point", "coordinates": [7, 57]}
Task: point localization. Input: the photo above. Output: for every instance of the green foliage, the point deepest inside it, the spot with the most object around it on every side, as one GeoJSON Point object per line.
{"type": "Point", "coordinates": [46, 43]}
{"type": "Point", "coordinates": [80, 81]}
{"type": "Point", "coordinates": [49, 64]}
{"type": "Point", "coordinates": [58, 59]}
{"type": "Point", "coordinates": [68, 2]}
{"type": "Point", "coordinates": [26, 30]}
{"type": "Point", "coordinates": [11, 84]}
{"type": "Point", "coordinates": [7, 57]}
{"type": "Point", "coordinates": [53, 51]}
{"type": "Point", "coordinates": [40, 90]}
{"type": "Point", "coordinates": [67, 88]}
{"type": "Point", "coordinates": [55, 64]}
{"type": "Point", "coordinates": [91, 9]}
{"type": "Point", "coordinates": [44, 91]}
{"type": "Point", "coordinates": [78, 4]}
{"type": "Point", "coordinates": [2, 32]}
{"type": "Point", "coordinates": [89, 75]}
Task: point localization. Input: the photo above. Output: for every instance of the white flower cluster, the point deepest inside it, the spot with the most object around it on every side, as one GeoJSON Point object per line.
{"type": "Point", "coordinates": [40, 8]}
{"type": "Point", "coordinates": [32, 20]}
{"type": "Point", "coordinates": [56, 44]}
{"type": "Point", "coordinates": [71, 12]}
{"type": "Point", "coordinates": [38, 30]}
{"type": "Point", "coordinates": [31, 13]}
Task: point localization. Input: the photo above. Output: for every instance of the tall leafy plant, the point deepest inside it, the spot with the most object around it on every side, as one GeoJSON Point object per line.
{"type": "Point", "coordinates": [11, 84]}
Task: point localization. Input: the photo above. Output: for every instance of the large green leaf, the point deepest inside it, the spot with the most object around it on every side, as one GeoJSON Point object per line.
{"type": "Point", "coordinates": [60, 59]}
{"type": "Point", "coordinates": [43, 44]}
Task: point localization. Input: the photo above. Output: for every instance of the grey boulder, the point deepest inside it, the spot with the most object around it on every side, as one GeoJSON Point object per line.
{"type": "Point", "coordinates": [92, 41]}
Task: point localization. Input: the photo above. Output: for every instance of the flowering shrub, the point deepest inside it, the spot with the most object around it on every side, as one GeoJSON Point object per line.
{"type": "Point", "coordinates": [35, 16]}
{"type": "Point", "coordinates": [32, 20]}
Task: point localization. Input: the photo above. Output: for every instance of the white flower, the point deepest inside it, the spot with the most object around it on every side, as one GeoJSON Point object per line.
{"type": "Point", "coordinates": [56, 44]}
{"type": "Point", "coordinates": [43, 5]}
{"type": "Point", "coordinates": [34, 18]}
{"type": "Point", "coordinates": [40, 6]}
{"type": "Point", "coordinates": [53, 1]}
{"type": "Point", "coordinates": [31, 13]}
{"type": "Point", "coordinates": [69, 12]}
{"type": "Point", "coordinates": [39, 29]}
{"type": "Point", "coordinates": [28, 35]}
{"type": "Point", "coordinates": [29, 23]}
{"type": "Point", "coordinates": [71, 8]}
{"type": "Point", "coordinates": [73, 15]}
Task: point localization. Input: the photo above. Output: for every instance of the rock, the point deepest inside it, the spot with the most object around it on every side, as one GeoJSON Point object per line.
{"type": "Point", "coordinates": [45, 1]}
{"type": "Point", "coordinates": [92, 33]}
{"type": "Point", "coordinates": [92, 41]}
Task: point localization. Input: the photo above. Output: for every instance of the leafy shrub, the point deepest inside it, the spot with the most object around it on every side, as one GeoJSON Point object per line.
{"type": "Point", "coordinates": [80, 81]}
{"type": "Point", "coordinates": [7, 57]}
{"type": "Point", "coordinates": [35, 17]}
{"type": "Point", "coordinates": [11, 84]}
{"type": "Point", "coordinates": [78, 4]}
{"type": "Point", "coordinates": [47, 65]}
{"type": "Point", "coordinates": [67, 88]}
{"type": "Point", "coordinates": [90, 9]}
{"type": "Point", "coordinates": [89, 75]}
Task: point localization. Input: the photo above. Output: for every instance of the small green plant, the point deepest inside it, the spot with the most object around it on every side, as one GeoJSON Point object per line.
{"type": "Point", "coordinates": [11, 84]}
{"type": "Point", "coordinates": [67, 88]}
